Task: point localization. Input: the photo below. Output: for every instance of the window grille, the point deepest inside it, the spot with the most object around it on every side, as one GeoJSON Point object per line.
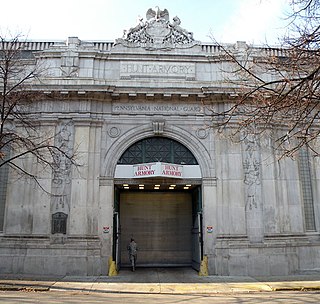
{"type": "Point", "coordinates": [306, 186]}
{"type": "Point", "coordinates": [59, 223]}
{"type": "Point", "coordinates": [155, 149]}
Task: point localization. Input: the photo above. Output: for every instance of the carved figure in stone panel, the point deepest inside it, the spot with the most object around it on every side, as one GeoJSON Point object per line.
{"type": "Point", "coordinates": [251, 168]}
{"type": "Point", "coordinates": [61, 182]}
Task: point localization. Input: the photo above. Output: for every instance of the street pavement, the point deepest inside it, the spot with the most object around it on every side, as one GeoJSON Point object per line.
{"type": "Point", "coordinates": [161, 281]}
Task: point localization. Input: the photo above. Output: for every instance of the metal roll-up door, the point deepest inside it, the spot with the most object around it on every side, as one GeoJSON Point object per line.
{"type": "Point", "coordinates": [161, 224]}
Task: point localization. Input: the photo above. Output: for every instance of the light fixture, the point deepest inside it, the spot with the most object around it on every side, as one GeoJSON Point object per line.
{"type": "Point", "coordinates": [141, 188]}
{"type": "Point", "coordinates": [141, 185]}
{"type": "Point", "coordinates": [171, 187]}
{"type": "Point", "coordinates": [186, 187]}
{"type": "Point", "coordinates": [156, 188]}
{"type": "Point", "coordinates": [157, 185]}
{"type": "Point", "coordinates": [126, 187]}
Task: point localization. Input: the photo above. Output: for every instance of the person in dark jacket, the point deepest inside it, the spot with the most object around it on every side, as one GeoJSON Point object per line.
{"type": "Point", "coordinates": [132, 250]}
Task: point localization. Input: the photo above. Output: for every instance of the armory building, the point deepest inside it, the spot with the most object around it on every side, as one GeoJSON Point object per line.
{"type": "Point", "coordinates": [137, 114]}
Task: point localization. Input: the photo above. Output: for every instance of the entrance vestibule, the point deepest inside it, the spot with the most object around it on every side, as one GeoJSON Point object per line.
{"type": "Point", "coordinates": [165, 224]}
{"type": "Point", "coordinates": [158, 203]}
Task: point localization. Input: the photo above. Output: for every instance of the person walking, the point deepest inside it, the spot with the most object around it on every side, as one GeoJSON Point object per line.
{"type": "Point", "coordinates": [132, 249]}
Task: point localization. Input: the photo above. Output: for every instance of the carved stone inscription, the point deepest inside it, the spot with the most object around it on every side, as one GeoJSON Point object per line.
{"type": "Point", "coordinates": [157, 70]}
{"type": "Point", "coordinates": [126, 108]}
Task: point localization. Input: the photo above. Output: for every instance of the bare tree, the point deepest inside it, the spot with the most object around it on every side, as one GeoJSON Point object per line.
{"type": "Point", "coordinates": [21, 138]}
{"type": "Point", "coordinates": [279, 88]}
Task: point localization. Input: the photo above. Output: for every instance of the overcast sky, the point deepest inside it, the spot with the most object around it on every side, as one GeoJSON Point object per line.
{"type": "Point", "coordinates": [253, 21]}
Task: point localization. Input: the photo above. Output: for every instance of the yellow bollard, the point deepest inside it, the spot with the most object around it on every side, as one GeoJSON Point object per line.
{"type": "Point", "coordinates": [112, 268]}
{"type": "Point", "coordinates": [204, 267]}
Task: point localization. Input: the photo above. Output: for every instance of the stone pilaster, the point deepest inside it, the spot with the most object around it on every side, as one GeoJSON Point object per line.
{"type": "Point", "coordinates": [105, 226]}
{"type": "Point", "coordinates": [209, 199]}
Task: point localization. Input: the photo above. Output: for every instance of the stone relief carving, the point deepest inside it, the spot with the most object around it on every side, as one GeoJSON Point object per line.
{"type": "Point", "coordinates": [178, 34]}
{"type": "Point", "coordinates": [251, 167]}
{"type": "Point", "coordinates": [61, 182]}
{"type": "Point", "coordinates": [253, 189]}
{"type": "Point", "coordinates": [70, 64]}
{"type": "Point", "coordinates": [158, 33]}
{"type": "Point", "coordinates": [70, 60]}
{"type": "Point", "coordinates": [114, 132]}
{"type": "Point", "coordinates": [158, 127]}
{"type": "Point", "coordinates": [202, 133]}
{"type": "Point", "coordinates": [70, 52]}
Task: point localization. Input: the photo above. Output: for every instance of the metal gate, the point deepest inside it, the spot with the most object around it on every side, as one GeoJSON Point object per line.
{"type": "Point", "coordinates": [161, 224]}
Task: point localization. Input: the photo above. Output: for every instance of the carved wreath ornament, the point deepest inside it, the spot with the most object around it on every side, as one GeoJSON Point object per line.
{"type": "Point", "coordinates": [158, 33]}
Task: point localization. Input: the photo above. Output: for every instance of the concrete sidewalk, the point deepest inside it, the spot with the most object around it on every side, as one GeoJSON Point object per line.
{"type": "Point", "coordinates": [161, 280]}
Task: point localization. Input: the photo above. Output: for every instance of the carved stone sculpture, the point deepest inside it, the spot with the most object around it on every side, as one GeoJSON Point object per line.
{"type": "Point", "coordinates": [61, 182]}
{"type": "Point", "coordinates": [158, 33]}
{"type": "Point", "coordinates": [253, 190]}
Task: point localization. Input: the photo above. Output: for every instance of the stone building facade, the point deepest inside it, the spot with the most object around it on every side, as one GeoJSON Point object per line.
{"type": "Point", "coordinates": [137, 114]}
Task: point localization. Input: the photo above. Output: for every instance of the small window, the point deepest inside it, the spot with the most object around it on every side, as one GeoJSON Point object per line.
{"type": "Point", "coordinates": [4, 171]}
{"type": "Point", "coordinates": [306, 186]}
{"type": "Point", "coordinates": [59, 223]}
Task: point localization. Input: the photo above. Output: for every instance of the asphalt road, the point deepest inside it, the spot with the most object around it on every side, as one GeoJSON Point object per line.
{"type": "Point", "coordinates": [54, 297]}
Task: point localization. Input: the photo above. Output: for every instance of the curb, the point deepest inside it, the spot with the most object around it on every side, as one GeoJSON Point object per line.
{"type": "Point", "coordinates": [32, 288]}
{"type": "Point", "coordinates": [162, 288]}
{"type": "Point", "coordinates": [13, 287]}
{"type": "Point", "coordinates": [298, 288]}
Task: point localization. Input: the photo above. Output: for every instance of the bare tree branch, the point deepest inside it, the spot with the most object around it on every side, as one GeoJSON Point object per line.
{"type": "Point", "coordinates": [21, 136]}
{"type": "Point", "coordinates": [287, 101]}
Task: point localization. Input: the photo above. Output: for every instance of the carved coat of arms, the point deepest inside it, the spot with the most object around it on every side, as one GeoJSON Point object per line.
{"type": "Point", "coordinates": [157, 32]}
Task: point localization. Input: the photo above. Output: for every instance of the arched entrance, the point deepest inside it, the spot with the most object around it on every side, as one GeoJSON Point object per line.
{"type": "Point", "coordinates": [158, 203]}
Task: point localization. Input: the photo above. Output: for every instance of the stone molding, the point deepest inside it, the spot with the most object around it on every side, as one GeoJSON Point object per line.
{"type": "Point", "coordinates": [106, 181]}
{"type": "Point", "coordinates": [209, 182]}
